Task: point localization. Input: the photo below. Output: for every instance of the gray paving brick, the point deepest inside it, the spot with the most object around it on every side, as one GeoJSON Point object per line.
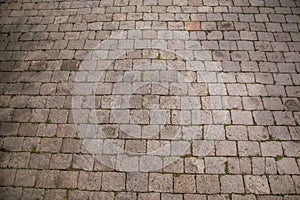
{"type": "Point", "coordinates": [232, 183]}
{"type": "Point", "coordinates": [137, 182]}
{"type": "Point", "coordinates": [281, 184]}
{"type": "Point", "coordinates": [287, 166]}
{"type": "Point", "coordinates": [160, 182]}
{"type": "Point", "coordinates": [247, 148]}
{"type": "Point", "coordinates": [89, 180]}
{"type": "Point", "coordinates": [113, 181]}
{"type": "Point", "coordinates": [208, 184]}
{"type": "Point", "coordinates": [215, 165]}
{"type": "Point", "coordinates": [11, 193]}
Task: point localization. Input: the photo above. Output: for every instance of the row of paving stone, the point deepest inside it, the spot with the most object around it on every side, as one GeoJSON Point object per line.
{"type": "Point", "coordinates": [198, 116]}
{"type": "Point", "coordinates": [146, 163]}
{"type": "Point", "coordinates": [152, 182]}
{"type": "Point", "coordinates": [153, 147]}
{"type": "Point", "coordinates": [29, 193]}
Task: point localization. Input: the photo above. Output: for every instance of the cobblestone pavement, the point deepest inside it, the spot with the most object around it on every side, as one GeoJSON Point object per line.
{"type": "Point", "coordinates": [150, 99]}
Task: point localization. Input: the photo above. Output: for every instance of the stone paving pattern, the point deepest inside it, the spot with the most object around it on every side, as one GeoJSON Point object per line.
{"type": "Point", "coordinates": [240, 64]}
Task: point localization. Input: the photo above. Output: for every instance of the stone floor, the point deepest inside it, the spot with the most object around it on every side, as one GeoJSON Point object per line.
{"type": "Point", "coordinates": [150, 99]}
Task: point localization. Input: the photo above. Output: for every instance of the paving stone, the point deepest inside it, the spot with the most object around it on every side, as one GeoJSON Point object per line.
{"type": "Point", "coordinates": [201, 117]}
{"type": "Point", "coordinates": [58, 116]}
{"type": "Point", "coordinates": [9, 128]}
{"type": "Point", "coordinates": [150, 131]}
{"type": "Point", "coordinates": [71, 146]}
{"type": "Point", "coordinates": [70, 65]}
{"type": "Point", "coordinates": [130, 131]}
{"type": "Point", "coordinates": [47, 179]}
{"type": "Point", "coordinates": [245, 164]}
{"type": "Point", "coordinates": [135, 146]}
{"type": "Point", "coordinates": [144, 196]}
{"type": "Point", "coordinates": [25, 178]}
{"type": "Point", "coordinates": [256, 90]}
{"type": "Point", "coordinates": [101, 195]}
{"type": "Point", "coordinates": [191, 132]}
{"type": "Point", "coordinates": [113, 181]}
{"type": "Point", "coordinates": [19, 160]}
{"type": "Point", "coordinates": [232, 184]}
{"type": "Point", "coordinates": [271, 148]}
{"type": "Point", "coordinates": [78, 194]}
{"type": "Point", "coordinates": [258, 133]}
{"type": "Point", "coordinates": [236, 132]}
{"type": "Point", "coordinates": [192, 26]}
{"type": "Point", "coordinates": [226, 148]}
{"type": "Point", "coordinates": [119, 116]}
{"type": "Point", "coordinates": [281, 184]}
{"type": "Point", "coordinates": [156, 147]}
{"type": "Point", "coordinates": [294, 133]}
{"type": "Point", "coordinates": [271, 166]}
{"type": "Point", "coordinates": [236, 196]}
{"type": "Point", "coordinates": [215, 165]}
{"type": "Point", "coordinates": [170, 132]}
{"type": "Point", "coordinates": [28, 129]}
{"type": "Point", "coordinates": [258, 165]}
{"type": "Point", "coordinates": [11, 193]}
{"type": "Point", "coordinates": [290, 148]}
{"type": "Point", "coordinates": [66, 131]}
{"type": "Point", "coordinates": [31, 193]}
{"type": "Point", "coordinates": [287, 166]}
{"type": "Point", "coordinates": [194, 196]}
{"type": "Point", "coordinates": [252, 103]}
{"type": "Point", "coordinates": [5, 158]}
{"type": "Point", "coordinates": [139, 116]}
{"type": "Point", "coordinates": [203, 147]}
{"type": "Point", "coordinates": [113, 146]}
{"type": "Point", "coordinates": [284, 118]}
{"type": "Point", "coordinates": [171, 196]}
{"type": "Point", "coordinates": [89, 180]}
{"type": "Point", "coordinates": [137, 182]}
{"type": "Point", "coordinates": [50, 145]}
{"type": "Point", "coordinates": [241, 117]}
{"type": "Point", "coordinates": [218, 196]}
{"type": "Point", "coordinates": [21, 115]}
{"type": "Point", "coordinates": [180, 148]}
{"type": "Point", "coordinates": [85, 162]}
{"type": "Point", "coordinates": [291, 104]}
{"type": "Point", "coordinates": [160, 182]}
{"type": "Point", "coordinates": [125, 195]}
{"type": "Point", "coordinates": [7, 177]}
{"type": "Point", "coordinates": [233, 165]}
{"type": "Point", "coordinates": [150, 163]}
{"type": "Point", "coordinates": [173, 165]}
{"type": "Point", "coordinates": [40, 161]}
{"type": "Point", "coordinates": [185, 184]}
{"type": "Point", "coordinates": [296, 181]}
{"type": "Point", "coordinates": [256, 184]}
{"type": "Point", "coordinates": [291, 197]}
{"type": "Point", "coordinates": [19, 101]}
{"type": "Point", "coordinates": [127, 163]}
{"type": "Point", "coordinates": [67, 179]}
{"type": "Point", "coordinates": [39, 115]}
{"type": "Point", "coordinates": [208, 184]}
{"type": "Point", "coordinates": [263, 117]}
{"type": "Point", "coordinates": [48, 130]}
{"type": "Point", "coordinates": [57, 193]}
{"type": "Point", "coordinates": [248, 148]}
{"type": "Point", "coordinates": [12, 143]}
{"type": "Point", "coordinates": [60, 161]}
